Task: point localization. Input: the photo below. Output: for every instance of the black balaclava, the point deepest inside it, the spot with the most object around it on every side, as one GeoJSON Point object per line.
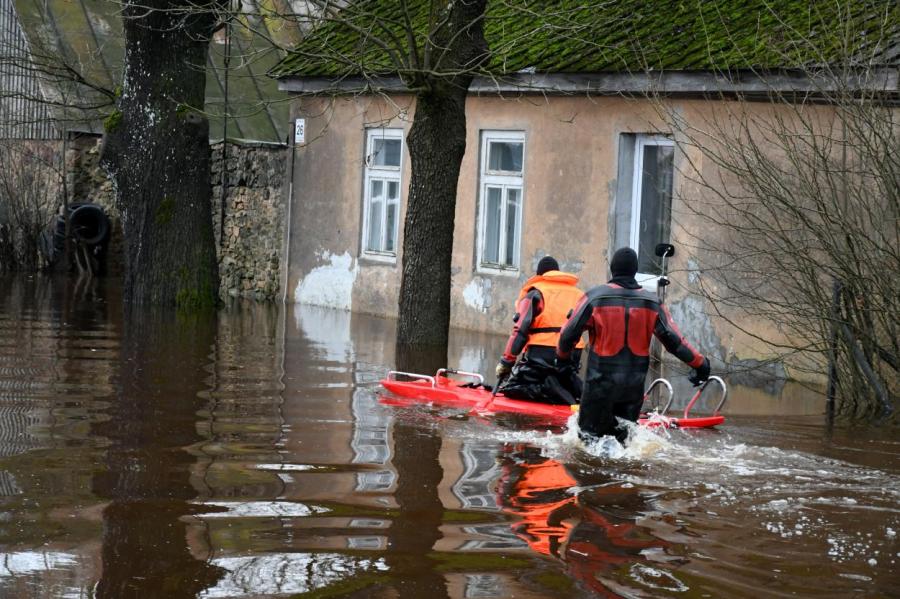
{"type": "Point", "coordinates": [547, 263]}
{"type": "Point", "coordinates": [624, 265]}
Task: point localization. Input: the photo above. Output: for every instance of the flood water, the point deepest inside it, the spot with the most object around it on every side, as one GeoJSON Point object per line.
{"type": "Point", "coordinates": [246, 454]}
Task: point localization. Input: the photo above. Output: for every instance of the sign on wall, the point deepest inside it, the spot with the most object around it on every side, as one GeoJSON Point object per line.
{"type": "Point", "coordinates": [299, 131]}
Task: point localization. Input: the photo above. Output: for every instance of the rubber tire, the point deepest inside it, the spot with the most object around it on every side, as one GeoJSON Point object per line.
{"type": "Point", "coordinates": [90, 218]}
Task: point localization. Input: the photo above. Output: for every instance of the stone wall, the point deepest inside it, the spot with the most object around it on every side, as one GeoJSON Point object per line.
{"type": "Point", "coordinates": [249, 263]}
{"type": "Point", "coordinates": [87, 182]}
{"type": "Point", "coordinates": [254, 223]}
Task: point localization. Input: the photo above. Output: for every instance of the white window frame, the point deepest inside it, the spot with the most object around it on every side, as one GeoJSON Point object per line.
{"type": "Point", "coordinates": [505, 180]}
{"type": "Point", "coordinates": [386, 174]}
{"type": "Point", "coordinates": [647, 280]}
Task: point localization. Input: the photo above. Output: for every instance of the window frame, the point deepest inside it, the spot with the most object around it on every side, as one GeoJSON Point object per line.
{"type": "Point", "coordinates": [504, 180]}
{"type": "Point", "coordinates": [386, 174]}
{"type": "Point", "coordinates": [642, 140]}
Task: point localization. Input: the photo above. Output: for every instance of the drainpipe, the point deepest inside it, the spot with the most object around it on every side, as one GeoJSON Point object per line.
{"type": "Point", "coordinates": [226, 62]}
{"type": "Point", "coordinates": [67, 245]}
{"type": "Point", "coordinates": [292, 148]}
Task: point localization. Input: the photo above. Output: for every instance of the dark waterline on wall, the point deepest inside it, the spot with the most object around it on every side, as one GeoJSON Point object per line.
{"type": "Point", "coordinates": [246, 454]}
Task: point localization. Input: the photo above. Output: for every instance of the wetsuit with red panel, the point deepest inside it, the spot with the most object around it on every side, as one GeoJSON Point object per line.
{"type": "Point", "coordinates": [544, 304]}
{"type": "Point", "coordinates": [621, 320]}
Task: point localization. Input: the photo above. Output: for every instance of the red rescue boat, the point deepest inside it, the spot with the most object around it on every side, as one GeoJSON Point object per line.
{"type": "Point", "coordinates": [444, 390]}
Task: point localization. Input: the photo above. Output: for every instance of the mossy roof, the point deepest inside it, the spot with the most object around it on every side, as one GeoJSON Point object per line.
{"type": "Point", "coordinates": [590, 36]}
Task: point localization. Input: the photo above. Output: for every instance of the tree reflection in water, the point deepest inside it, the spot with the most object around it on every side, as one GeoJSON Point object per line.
{"type": "Point", "coordinates": [416, 528]}
{"type": "Point", "coordinates": [147, 468]}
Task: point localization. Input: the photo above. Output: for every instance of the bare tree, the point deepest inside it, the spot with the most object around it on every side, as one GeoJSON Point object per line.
{"type": "Point", "coordinates": [792, 199]}
{"type": "Point", "coordinates": [29, 193]}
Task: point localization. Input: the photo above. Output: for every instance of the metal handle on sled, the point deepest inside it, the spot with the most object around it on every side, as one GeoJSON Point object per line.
{"type": "Point", "coordinates": [445, 371]}
{"type": "Point", "coordinates": [700, 392]}
{"type": "Point", "coordinates": [668, 386]}
{"type": "Point", "coordinates": [393, 374]}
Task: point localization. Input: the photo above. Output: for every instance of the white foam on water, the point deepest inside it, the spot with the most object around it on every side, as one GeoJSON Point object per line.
{"type": "Point", "coordinates": [656, 579]}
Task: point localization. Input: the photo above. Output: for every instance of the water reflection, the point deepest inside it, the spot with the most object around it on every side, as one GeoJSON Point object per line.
{"type": "Point", "coordinates": [247, 454]}
{"type": "Point", "coordinates": [147, 470]}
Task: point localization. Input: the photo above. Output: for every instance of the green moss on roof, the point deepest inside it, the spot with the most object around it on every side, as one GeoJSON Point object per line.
{"type": "Point", "coordinates": [585, 36]}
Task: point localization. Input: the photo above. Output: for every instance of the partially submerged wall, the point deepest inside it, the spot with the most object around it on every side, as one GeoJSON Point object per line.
{"type": "Point", "coordinates": [250, 259]}
{"type": "Point", "coordinates": [249, 264]}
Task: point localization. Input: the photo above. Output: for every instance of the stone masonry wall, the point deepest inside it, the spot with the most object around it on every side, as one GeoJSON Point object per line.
{"type": "Point", "coordinates": [250, 262]}
{"type": "Point", "coordinates": [87, 182]}
{"type": "Point", "coordinates": [250, 265]}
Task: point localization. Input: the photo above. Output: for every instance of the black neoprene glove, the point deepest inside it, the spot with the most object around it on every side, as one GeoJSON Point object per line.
{"type": "Point", "coordinates": [700, 374]}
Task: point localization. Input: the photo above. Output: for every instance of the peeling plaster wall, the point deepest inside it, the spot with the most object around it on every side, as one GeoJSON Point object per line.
{"type": "Point", "coordinates": [326, 215]}
{"type": "Point", "coordinates": [331, 284]}
{"type": "Point", "coordinates": [572, 155]}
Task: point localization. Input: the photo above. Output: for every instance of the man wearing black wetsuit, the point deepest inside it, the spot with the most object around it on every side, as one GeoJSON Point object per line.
{"type": "Point", "coordinates": [621, 318]}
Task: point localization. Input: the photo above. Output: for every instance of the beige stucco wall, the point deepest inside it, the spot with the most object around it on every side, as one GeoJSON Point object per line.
{"type": "Point", "coordinates": [570, 172]}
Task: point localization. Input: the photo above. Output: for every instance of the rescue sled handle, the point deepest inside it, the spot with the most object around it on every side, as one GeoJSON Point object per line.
{"type": "Point", "coordinates": [445, 371]}
{"type": "Point", "coordinates": [393, 374]}
{"type": "Point", "coordinates": [700, 392]}
{"type": "Point", "coordinates": [668, 387]}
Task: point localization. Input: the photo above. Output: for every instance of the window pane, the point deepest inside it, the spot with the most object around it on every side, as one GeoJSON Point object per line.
{"type": "Point", "coordinates": [391, 228]}
{"type": "Point", "coordinates": [376, 206]}
{"type": "Point", "coordinates": [512, 218]}
{"type": "Point", "coordinates": [385, 152]}
{"type": "Point", "coordinates": [393, 190]}
{"type": "Point", "coordinates": [656, 205]}
{"type": "Point", "coordinates": [505, 156]}
{"type": "Point", "coordinates": [492, 225]}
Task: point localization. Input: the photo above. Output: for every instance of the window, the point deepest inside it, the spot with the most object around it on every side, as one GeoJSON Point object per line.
{"type": "Point", "coordinates": [644, 199]}
{"type": "Point", "coordinates": [500, 220]}
{"type": "Point", "coordinates": [381, 193]}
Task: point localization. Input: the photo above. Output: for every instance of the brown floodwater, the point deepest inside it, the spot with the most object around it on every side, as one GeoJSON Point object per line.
{"type": "Point", "coordinates": [246, 454]}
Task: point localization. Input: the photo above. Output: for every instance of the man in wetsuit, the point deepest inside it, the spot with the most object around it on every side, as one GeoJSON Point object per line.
{"type": "Point", "coordinates": [621, 319]}
{"type": "Point", "coordinates": [544, 304]}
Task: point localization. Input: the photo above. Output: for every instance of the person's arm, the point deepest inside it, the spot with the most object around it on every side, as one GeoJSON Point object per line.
{"type": "Point", "coordinates": [526, 311]}
{"type": "Point", "coordinates": [574, 327]}
{"type": "Point", "coordinates": [675, 343]}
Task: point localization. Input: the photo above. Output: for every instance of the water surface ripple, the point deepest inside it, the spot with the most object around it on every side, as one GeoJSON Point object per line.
{"type": "Point", "coordinates": [145, 453]}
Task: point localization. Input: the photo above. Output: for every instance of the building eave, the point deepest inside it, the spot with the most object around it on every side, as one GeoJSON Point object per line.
{"type": "Point", "coordinates": [748, 83]}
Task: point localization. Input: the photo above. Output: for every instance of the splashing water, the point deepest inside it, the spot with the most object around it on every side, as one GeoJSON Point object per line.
{"type": "Point", "coordinates": [642, 442]}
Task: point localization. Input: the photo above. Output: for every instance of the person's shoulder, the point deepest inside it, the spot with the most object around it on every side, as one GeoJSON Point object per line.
{"type": "Point", "coordinates": [601, 290]}
{"type": "Point", "coordinates": [648, 295]}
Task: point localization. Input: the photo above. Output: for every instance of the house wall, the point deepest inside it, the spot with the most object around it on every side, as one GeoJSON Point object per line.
{"type": "Point", "coordinates": [571, 172]}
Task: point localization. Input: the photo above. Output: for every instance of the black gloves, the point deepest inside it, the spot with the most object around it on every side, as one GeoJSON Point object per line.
{"type": "Point", "coordinates": [700, 374]}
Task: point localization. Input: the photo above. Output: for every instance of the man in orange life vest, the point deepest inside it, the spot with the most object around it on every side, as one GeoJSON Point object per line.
{"type": "Point", "coordinates": [544, 303]}
{"type": "Point", "coordinates": [621, 319]}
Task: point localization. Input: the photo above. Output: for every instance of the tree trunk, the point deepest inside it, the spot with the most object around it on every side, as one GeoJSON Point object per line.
{"type": "Point", "coordinates": [156, 150]}
{"type": "Point", "coordinates": [437, 143]}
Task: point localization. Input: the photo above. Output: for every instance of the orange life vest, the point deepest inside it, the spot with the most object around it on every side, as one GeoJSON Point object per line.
{"type": "Point", "coordinates": [560, 296]}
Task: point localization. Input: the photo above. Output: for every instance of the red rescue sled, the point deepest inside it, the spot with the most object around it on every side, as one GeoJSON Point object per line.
{"type": "Point", "coordinates": [444, 390]}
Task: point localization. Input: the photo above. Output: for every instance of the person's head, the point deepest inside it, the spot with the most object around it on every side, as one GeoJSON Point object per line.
{"type": "Point", "coordinates": [624, 263]}
{"type": "Point", "coordinates": [546, 264]}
